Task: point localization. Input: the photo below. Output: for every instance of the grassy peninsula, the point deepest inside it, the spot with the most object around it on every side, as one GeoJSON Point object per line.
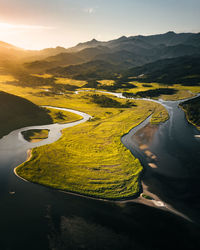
{"type": "Point", "coordinates": [90, 159]}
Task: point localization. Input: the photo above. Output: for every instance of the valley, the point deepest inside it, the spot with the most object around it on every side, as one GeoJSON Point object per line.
{"type": "Point", "coordinates": [112, 132]}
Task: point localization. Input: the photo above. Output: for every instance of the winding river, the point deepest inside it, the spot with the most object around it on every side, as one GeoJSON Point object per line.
{"type": "Point", "coordinates": [36, 217]}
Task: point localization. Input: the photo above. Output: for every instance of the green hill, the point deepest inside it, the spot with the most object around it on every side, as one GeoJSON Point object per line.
{"type": "Point", "coordinates": [91, 70]}
{"type": "Point", "coordinates": [183, 70]}
{"type": "Point", "coordinates": [17, 112]}
{"type": "Point", "coordinates": [192, 109]}
{"type": "Point", "coordinates": [65, 59]}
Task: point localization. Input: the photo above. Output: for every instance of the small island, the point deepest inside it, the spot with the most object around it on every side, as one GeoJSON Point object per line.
{"type": "Point", "coordinates": [35, 135]}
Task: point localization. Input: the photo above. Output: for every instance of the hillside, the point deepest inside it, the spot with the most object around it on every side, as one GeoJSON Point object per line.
{"type": "Point", "coordinates": [91, 70]}
{"type": "Point", "coordinates": [62, 59]}
{"type": "Point", "coordinates": [126, 52]}
{"type": "Point", "coordinates": [167, 39]}
{"type": "Point", "coordinates": [8, 46]}
{"type": "Point", "coordinates": [159, 58]}
{"type": "Point", "coordinates": [10, 54]}
{"type": "Point", "coordinates": [183, 70]}
{"type": "Point", "coordinates": [17, 112]}
{"type": "Point", "coordinates": [192, 110]}
{"type": "Point", "coordinates": [66, 59]}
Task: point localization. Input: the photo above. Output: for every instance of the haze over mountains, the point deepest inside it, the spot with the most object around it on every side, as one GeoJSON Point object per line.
{"type": "Point", "coordinates": [10, 53]}
{"type": "Point", "coordinates": [128, 51]}
{"type": "Point", "coordinates": [94, 59]}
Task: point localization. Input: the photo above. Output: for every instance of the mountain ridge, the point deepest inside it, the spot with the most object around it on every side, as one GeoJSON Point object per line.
{"type": "Point", "coordinates": [126, 51]}
{"type": "Point", "coordinates": [95, 58]}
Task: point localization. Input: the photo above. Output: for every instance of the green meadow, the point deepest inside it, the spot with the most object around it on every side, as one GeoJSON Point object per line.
{"type": "Point", "coordinates": [90, 159]}
{"type": "Point", "coordinates": [182, 91]}
{"type": "Point", "coordinates": [34, 135]}
{"type": "Point", "coordinates": [61, 116]}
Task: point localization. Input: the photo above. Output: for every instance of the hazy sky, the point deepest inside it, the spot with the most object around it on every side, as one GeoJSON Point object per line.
{"type": "Point", "coordinates": [36, 24]}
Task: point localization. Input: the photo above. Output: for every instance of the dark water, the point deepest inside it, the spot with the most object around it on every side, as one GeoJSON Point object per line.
{"type": "Point", "coordinates": [176, 179]}
{"type": "Point", "coordinates": [40, 218]}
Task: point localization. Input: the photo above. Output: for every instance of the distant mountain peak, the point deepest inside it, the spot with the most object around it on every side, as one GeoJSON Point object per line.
{"type": "Point", "coordinates": [91, 42]}
{"type": "Point", "coordinates": [94, 40]}
{"type": "Point", "coordinates": [59, 47]}
{"type": "Point", "coordinates": [122, 38]}
{"type": "Point", "coordinates": [170, 32]}
{"type": "Point", "coordinates": [8, 46]}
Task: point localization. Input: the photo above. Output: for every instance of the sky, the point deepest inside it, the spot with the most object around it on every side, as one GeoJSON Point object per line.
{"type": "Point", "coordinates": [37, 24]}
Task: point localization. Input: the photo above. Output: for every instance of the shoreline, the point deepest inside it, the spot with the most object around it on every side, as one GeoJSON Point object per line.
{"type": "Point", "coordinates": [186, 114]}
{"type": "Point", "coordinates": [189, 121]}
{"type": "Point", "coordinates": [137, 198]}
{"type": "Point", "coordinates": [29, 155]}
{"type": "Point", "coordinates": [87, 196]}
{"type": "Point", "coordinates": [120, 200]}
{"type": "Point", "coordinates": [124, 199]}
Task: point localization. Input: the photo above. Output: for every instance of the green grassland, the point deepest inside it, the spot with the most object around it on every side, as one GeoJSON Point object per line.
{"type": "Point", "coordinates": [56, 85]}
{"type": "Point", "coordinates": [78, 83]}
{"type": "Point", "coordinates": [159, 115]}
{"type": "Point", "coordinates": [34, 135]}
{"type": "Point", "coordinates": [182, 91]}
{"type": "Point", "coordinates": [45, 76]}
{"type": "Point", "coordinates": [6, 78]}
{"type": "Point", "coordinates": [60, 116]}
{"type": "Point", "coordinates": [90, 158]}
{"type": "Point", "coordinates": [107, 82]}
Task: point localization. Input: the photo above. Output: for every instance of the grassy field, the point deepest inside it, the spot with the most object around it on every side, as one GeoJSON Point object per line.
{"type": "Point", "coordinates": [59, 116]}
{"type": "Point", "coordinates": [107, 82]}
{"type": "Point", "coordinates": [78, 83]}
{"type": "Point", "coordinates": [45, 76]}
{"type": "Point", "coordinates": [182, 91]}
{"type": "Point", "coordinates": [181, 94]}
{"type": "Point", "coordinates": [34, 135]}
{"type": "Point", "coordinates": [90, 158]}
{"type": "Point", "coordinates": [6, 78]}
{"type": "Point", "coordinates": [159, 115]}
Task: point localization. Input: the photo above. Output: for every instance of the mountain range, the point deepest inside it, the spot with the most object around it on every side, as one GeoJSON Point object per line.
{"type": "Point", "coordinates": [125, 52]}
{"type": "Point", "coordinates": [181, 70]}
{"type": "Point", "coordinates": [97, 59]}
